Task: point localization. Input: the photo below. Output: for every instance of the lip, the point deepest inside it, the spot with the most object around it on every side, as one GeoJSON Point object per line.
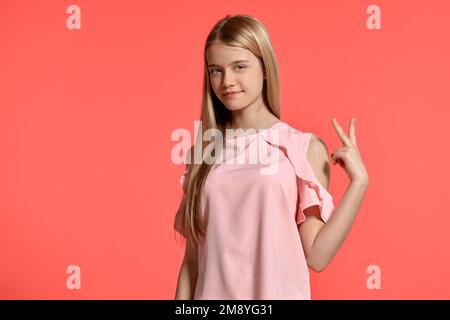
{"type": "Point", "coordinates": [232, 94]}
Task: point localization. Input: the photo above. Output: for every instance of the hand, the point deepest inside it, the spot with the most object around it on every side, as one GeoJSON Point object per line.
{"type": "Point", "coordinates": [348, 157]}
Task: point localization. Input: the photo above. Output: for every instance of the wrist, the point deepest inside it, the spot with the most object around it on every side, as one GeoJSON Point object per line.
{"type": "Point", "coordinates": [361, 182]}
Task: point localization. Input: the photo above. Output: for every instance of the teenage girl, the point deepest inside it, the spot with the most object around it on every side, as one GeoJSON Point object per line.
{"type": "Point", "coordinates": [252, 235]}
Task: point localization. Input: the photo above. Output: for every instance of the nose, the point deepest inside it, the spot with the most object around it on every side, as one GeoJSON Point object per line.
{"type": "Point", "coordinates": [228, 78]}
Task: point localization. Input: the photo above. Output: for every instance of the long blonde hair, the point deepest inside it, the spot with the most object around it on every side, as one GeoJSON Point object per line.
{"type": "Point", "coordinates": [242, 31]}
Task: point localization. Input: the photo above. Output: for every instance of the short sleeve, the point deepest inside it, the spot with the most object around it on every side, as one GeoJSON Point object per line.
{"type": "Point", "coordinates": [183, 180]}
{"type": "Point", "coordinates": [294, 144]}
{"type": "Point", "coordinates": [179, 216]}
{"type": "Point", "coordinates": [310, 190]}
{"type": "Point", "coordinates": [311, 194]}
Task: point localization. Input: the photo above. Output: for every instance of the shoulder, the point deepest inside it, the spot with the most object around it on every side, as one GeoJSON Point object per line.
{"type": "Point", "coordinates": [313, 147]}
{"type": "Point", "coordinates": [307, 141]}
{"type": "Point", "coordinates": [317, 155]}
{"type": "Point", "coordinates": [317, 146]}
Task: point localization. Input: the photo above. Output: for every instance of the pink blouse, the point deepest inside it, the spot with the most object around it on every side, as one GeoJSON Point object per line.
{"type": "Point", "coordinates": [252, 248]}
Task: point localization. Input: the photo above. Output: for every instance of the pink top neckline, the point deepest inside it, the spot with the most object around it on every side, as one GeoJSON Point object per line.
{"type": "Point", "coordinates": [259, 131]}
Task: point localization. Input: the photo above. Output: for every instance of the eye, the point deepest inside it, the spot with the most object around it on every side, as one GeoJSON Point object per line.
{"type": "Point", "coordinates": [240, 67]}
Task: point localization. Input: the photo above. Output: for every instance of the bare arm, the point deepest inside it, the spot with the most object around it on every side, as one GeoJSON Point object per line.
{"type": "Point", "coordinates": [320, 240]}
{"type": "Point", "coordinates": [187, 278]}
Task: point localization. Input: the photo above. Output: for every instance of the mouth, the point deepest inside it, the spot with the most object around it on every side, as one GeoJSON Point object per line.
{"type": "Point", "coordinates": [232, 94]}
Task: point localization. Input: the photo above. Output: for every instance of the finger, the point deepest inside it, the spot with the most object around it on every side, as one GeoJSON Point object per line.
{"type": "Point", "coordinates": [340, 132]}
{"type": "Point", "coordinates": [336, 160]}
{"type": "Point", "coordinates": [341, 163]}
{"type": "Point", "coordinates": [335, 155]}
{"type": "Point", "coordinates": [352, 131]}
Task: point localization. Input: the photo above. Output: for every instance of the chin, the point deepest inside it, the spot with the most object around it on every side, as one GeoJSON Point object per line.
{"type": "Point", "coordinates": [234, 107]}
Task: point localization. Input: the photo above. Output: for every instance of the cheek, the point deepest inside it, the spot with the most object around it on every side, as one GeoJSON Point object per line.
{"type": "Point", "coordinates": [214, 86]}
{"type": "Point", "coordinates": [216, 83]}
{"type": "Point", "coordinates": [252, 82]}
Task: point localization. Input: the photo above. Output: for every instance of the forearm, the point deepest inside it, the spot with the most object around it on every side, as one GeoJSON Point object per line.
{"type": "Point", "coordinates": [333, 233]}
{"type": "Point", "coordinates": [187, 280]}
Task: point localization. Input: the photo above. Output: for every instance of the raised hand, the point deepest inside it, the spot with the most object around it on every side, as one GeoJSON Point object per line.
{"type": "Point", "coordinates": [348, 156]}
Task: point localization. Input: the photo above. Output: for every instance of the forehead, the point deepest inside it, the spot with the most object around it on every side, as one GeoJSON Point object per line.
{"type": "Point", "coordinates": [223, 55]}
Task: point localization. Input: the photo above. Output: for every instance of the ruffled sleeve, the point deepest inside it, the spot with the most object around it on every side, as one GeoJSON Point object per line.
{"type": "Point", "coordinates": [295, 144]}
{"type": "Point", "coordinates": [183, 180]}
{"type": "Point", "coordinates": [310, 190]}
{"type": "Point", "coordinates": [179, 221]}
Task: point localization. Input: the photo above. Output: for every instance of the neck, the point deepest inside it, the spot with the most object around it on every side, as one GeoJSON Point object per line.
{"type": "Point", "coordinates": [255, 116]}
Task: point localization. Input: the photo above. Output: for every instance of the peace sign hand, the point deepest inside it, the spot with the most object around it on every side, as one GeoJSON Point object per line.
{"type": "Point", "coordinates": [348, 157]}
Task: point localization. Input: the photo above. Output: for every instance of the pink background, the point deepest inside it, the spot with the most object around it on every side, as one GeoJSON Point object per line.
{"type": "Point", "coordinates": [86, 116]}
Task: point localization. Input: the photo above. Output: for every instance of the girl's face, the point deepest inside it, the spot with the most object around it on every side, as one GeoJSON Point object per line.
{"type": "Point", "coordinates": [237, 70]}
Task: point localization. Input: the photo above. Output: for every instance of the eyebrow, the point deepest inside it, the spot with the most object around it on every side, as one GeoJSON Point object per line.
{"type": "Point", "coordinates": [234, 62]}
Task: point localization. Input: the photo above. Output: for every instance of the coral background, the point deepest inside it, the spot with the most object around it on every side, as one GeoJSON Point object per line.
{"type": "Point", "coordinates": [86, 116]}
